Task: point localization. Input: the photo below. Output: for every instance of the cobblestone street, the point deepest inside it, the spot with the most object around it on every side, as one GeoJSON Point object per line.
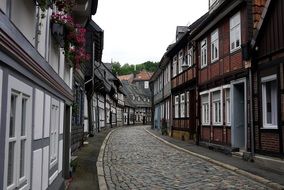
{"type": "Point", "coordinates": [135, 160]}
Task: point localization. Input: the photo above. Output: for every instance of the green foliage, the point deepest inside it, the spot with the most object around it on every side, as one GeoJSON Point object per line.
{"type": "Point", "coordinates": [128, 69]}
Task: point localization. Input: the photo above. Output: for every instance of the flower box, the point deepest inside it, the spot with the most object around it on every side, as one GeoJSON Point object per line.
{"type": "Point", "coordinates": [58, 31]}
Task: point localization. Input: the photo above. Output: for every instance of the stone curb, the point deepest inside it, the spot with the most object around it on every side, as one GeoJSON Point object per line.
{"type": "Point", "coordinates": [256, 178]}
{"type": "Point", "coordinates": [99, 164]}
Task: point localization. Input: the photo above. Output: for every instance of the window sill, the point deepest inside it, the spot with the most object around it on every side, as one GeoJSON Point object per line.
{"type": "Point", "coordinates": [217, 124]}
{"type": "Point", "coordinates": [203, 67]}
{"type": "Point", "coordinates": [214, 60]}
{"type": "Point", "coordinates": [205, 124]}
{"type": "Point", "coordinates": [234, 50]}
{"type": "Point", "coordinates": [269, 127]}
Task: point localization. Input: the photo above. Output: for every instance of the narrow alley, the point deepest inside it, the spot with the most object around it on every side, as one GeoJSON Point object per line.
{"type": "Point", "coordinates": [133, 159]}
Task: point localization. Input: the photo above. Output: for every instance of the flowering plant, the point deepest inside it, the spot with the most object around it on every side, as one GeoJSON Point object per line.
{"type": "Point", "coordinates": [65, 5]}
{"type": "Point", "coordinates": [75, 50]}
{"type": "Point", "coordinates": [62, 18]}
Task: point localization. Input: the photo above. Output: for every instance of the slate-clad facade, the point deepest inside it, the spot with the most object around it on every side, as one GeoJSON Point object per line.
{"type": "Point", "coordinates": [36, 95]}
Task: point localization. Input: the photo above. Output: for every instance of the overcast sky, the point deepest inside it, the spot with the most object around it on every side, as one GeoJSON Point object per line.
{"type": "Point", "coordinates": [136, 31]}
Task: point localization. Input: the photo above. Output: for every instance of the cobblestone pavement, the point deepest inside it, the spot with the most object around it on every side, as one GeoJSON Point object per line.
{"type": "Point", "coordinates": [133, 159]}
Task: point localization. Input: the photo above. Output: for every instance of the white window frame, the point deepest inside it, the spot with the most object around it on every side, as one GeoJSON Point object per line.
{"type": "Point", "coordinates": [22, 91]}
{"type": "Point", "coordinates": [266, 125]}
{"type": "Point", "coordinates": [205, 108]}
{"type": "Point", "coordinates": [190, 57]}
{"type": "Point", "coordinates": [235, 31]}
{"type": "Point", "coordinates": [227, 99]}
{"type": "Point", "coordinates": [175, 66]}
{"type": "Point", "coordinates": [187, 104]}
{"type": "Point", "coordinates": [203, 55]}
{"type": "Point", "coordinates": [214, 45]}
{"type": "Point", "coordinates": [177, 106]}
{"type": "Point", "coordinates": [180, 61]}
{"type": "Point", "coordinates": [219, 106]}
{"type": "Point", "coordinates": [54, 132]}
{"type": "Point", "coordinates": [146, 84]}
{"type": "Point", "coordinates": [182, 105]}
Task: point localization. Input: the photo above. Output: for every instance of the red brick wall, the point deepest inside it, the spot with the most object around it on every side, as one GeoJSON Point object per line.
{"type": "Point", "coordinates": [270, 142]}
{"type": "Point", "coordinates": [228, 61]}
{"type": "Point", "coordinates": [205, 133]}
{"type": "Point", "coordinates": [217, 135]}
{"type": "Point", "coordinates": [236, 61]}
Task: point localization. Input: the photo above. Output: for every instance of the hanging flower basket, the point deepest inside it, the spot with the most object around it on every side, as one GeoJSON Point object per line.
{"type": "Point", "coordinates": [57, 31]}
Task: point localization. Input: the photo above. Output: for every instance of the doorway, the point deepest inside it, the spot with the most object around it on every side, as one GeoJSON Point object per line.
{"type": "Point", "coordinates": [238, 114]}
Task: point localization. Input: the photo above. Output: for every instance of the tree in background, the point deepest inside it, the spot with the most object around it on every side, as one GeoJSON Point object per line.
{"type": "Point", "coordinates": [128, 69]}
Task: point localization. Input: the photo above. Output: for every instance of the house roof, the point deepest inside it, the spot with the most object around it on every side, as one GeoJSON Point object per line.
{"type": "Point", "coordinates": [143, 75]}
{"type": "Point", "coordinates": [133, 90]}
{"type": "Point", "coordinates": [260, 23]}
{"type": "Point", "coordinates": [129, 77]}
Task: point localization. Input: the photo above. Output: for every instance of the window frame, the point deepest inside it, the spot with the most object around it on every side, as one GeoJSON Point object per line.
{"type": "Point", "coordinates": [182, 105]}
{"type": "Point", "coordinates": [23, 91]}
{"type": "Point", "coordinates": [214, 44]}
{"type": "Point", "coordinates": [177, 106]}
{"type": "Point", "coordinates": [205, 120]}
{"type": "Point", "coordinates": [233, 30]}
{"type": "Point", "coordinates": [180, 61]}
{"type": "Point", "coordinates": [265, 80]}
{"type": "Point", "coordinates": [227, 97]}
{"type": "Point", "coordinates": [187, 104]}
{"type": "Point", "coordinates": [54, 132]}
{"type": "Point", "coordinates": [190, 57]}
{"type": "Point", "coordinates": [175, 66]}
{"type": "Point", "coordinates": [146, 84]}
{"type": "Point", "coordinates": [203, 55]}
{"type": "Point", "coordinates": [220, 111]}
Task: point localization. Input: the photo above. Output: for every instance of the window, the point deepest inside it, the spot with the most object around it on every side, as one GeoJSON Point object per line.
{"type": "Point", "coordinates": [54, 125]}
{"type": "Point", "coordinates": [182, 106]}
{"type": "Point", "coordinates": [190, 57]}
{"type": "Point", "coordinates": [187, 104]}
{"type": "Point", "coordinates": [235, 32]}
{"type": "Point", "coordinates": [146, 84]}
{"type": "Point", "coordinates": [269, 102]}
{"type": "Point", "coordinates": [204, 53]}
{"type": "Point", "coordinates": [18, 135]}
{"type": "Point", "coordinates": [176, 106]}
{"type": "Point", "coordinates": [227, 106]}
{"type": "Point", "coordinates": [217, 109]}
{"type": "Point", "coordinates": [205, 117]}
{"type": "Point", "coordinates": [215, 45]}
{"type": "Point", "coordinates": [175, 66]}
{"type": "Point", "coordinates": [180, 61]}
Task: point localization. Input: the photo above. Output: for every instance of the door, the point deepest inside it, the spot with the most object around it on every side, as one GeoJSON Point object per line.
{"type": "Point", "coordinates": [238, 115]}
